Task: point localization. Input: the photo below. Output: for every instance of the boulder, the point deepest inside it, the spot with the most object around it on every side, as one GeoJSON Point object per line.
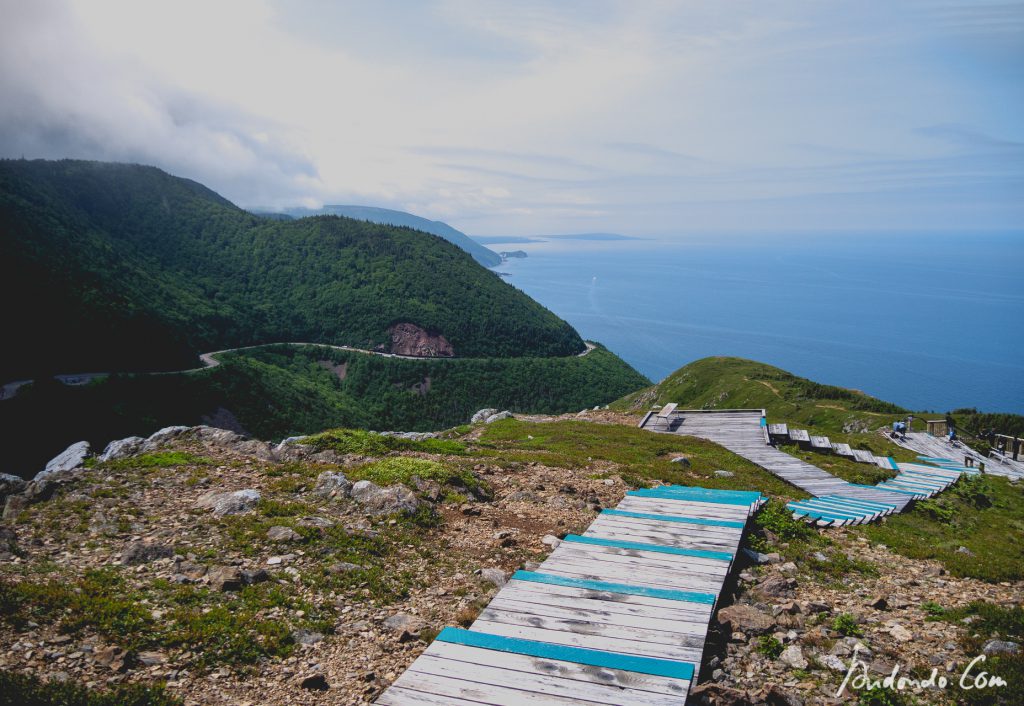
{"type": "Point", "coordinates": [406, 626]}
{"type": "Point", "coordinates": [257, 576]}
{"type": "Point", "coordinates": [306, 637]}
{"type": "Point", "coordinates": [280, 533]}
{"type": "Point", "coordinates": [724, 474]}
{"type": "Point", "coordinates": [14, 505]}
{"type": "Point", "coordinates": [312, 682]}
{"type": "Point", "coordinates": [683, 461]}
{"type": "Point", "coordinates": [145, 552]}
{"type": "Point", "coordinates": [315, 522]}
{"type": "Point", "coordinates": [745, 618]}
{"type": "Point", "coordinates": [775, 695]}
{"type": "Point", "coordinates": [121, 448]}
{"type": "Point", "coordinates": [225, 578]}
{"type": "Point", "coordinates": [11, 485]}
{"type": "Point", "coordinates": [482, 415]}
{"type": "Point", "coordinates": [71, 457]}
{"type": "Point", "coordinates": [494, 576]}
{"type": "Point", "coordinates": [332, 484]}
{"type": "Point", "coordinates": [793, 656]}
{"type": "Point", "coordinates": [384, 501]}
{"type": "Point", "coordinates": [775, 585]}
{"type": "Point", "coordinates": [498, 417]}
{"type": "Point", "coordinates": [229, 503]}
{"type": "Point", "coordinates": [161, 437]}
{"type": "Point", "coordinates": [1000, 647]}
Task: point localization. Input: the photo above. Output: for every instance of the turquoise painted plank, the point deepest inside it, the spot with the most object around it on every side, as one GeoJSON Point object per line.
{"type": "Point", "coordinates": [752, 495]}
{"type": "Point", "coordinates": [676, 495]}
{"type": "Point", "coordinates": [704, 553]}
{"type": "Point", "coordinates": [821, 507]}
{"type": "Point", "coordinates": [666, 593]}
{"type": "Point", "coordinates": [839, 505]}
{"type": "Point", "coordinates": [817, 515]}
{"type": "Point", "coordinates": [890, 489]}
{"type": "Point", "coordinates": [675, 518]}
{"type": "Point", "coordinates": [764, 422]}
{"type": "Point", "coordinates": [935, 458]}
{"type": "Point", "coordinates": [892, 463]}
{"type": "Point", "coordinates": [563, 653]}
{"type": "Point", "coordinates": [864, 503]}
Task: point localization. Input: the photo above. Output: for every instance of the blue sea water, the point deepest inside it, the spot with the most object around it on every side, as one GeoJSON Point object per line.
{"type": "Point", "coordinates": [931, 322]}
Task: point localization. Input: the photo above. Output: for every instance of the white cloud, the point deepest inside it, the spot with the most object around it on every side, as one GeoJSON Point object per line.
{"type": "Point", "coordinates": [535, 117]}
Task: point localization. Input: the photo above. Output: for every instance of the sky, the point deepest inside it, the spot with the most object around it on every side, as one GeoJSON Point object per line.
{"type": "Point", "coordinates": [637, 117]}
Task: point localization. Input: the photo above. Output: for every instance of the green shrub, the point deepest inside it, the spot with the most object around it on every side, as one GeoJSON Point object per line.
{"type": "Point", "coordinates": [368, 443]}
{"type": "Point", "coordinates": [401, 469]}
{"type": "Point", "coordinates": [769, 646]}
{"type": "Point", "coordinates": [26, 690]}
{"type": "Point", "coordinates": [846, 624]}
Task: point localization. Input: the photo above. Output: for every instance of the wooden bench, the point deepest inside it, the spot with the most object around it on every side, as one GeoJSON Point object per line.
{"type": "Point", "coordinates": [665, 415]}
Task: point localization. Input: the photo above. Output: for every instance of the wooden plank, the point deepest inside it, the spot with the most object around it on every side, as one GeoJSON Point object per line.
{"type": "Point", "coordinates": [526, 664]}
{"type": "Point", "coordinates": [623, 646]}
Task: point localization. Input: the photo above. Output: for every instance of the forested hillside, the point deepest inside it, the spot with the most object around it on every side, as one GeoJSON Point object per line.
{"type": "Point", "coordinates": [113, 267]}
{"type": "Point", "coordinates": [387, 216]}
{"type": "Point", "coordinates": [278, 391]}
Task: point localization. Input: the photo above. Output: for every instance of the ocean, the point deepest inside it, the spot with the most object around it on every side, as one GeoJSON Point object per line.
{"type": "Point", "coordinates": [930, 322]}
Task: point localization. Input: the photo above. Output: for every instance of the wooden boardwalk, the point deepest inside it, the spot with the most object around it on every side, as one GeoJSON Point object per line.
{"type": "Point", "coordinates": [617, 615]}
{"type": "Point", "coordinates": [745, 433]}
{"type": "Point", "coordinates": [936, 449]}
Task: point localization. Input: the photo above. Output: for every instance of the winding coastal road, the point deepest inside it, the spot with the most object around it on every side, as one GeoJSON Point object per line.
{"type": "Point", "coordinates": [209, 360]}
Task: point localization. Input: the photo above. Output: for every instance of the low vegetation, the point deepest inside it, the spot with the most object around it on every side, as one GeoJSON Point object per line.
{"type": "Point", "coordinates": [975, 528]}
{"type": "Point", "coordinates": [25, 690]}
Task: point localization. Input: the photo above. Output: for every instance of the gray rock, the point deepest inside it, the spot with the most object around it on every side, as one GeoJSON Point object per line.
{"type": "Point", "coordinates": [411, 435]}
{"type": "Point", "coordinates": [724, 474]}
{"type": "Point", "coordinates": [498, 417]}
{"type": "Point", "coordinates": [745, 618]}
{"type": "Point", "coordinates": [280, 533]}
{"type": "Point", "coordinates": [215, 436]}
{"type": "Point", "coordinates": [550, 540]}
{"type": "Point", "coordinates": [1000, 647]}
{"type": "Point", "coordinates": [257, 576]}
{"type": "Point", "coordinates": [775, 585]}
{"type": "Point", "coordinates": [384, 501]}
{"type": "Point", "coordinates": [833, 663]}
{"type": "Point", "coordinates": [756, 557]}
{"type": "Point", "coordinates": [14, 505]}
{"type": "Point", "coordinates": [158, 438]}
{"type": "Point", "coordinates": [71, 457]}
{"type": "Point", "coordinates": [494, 576]}
{"type": "Point", "coordinates": [343, 567]}
{"type": "Point", "coordinates": [794, 657]}
{"type": "Point", "coordinates": [145, 552]}
{"type": "Point", "coordinates": [121, 448]}
{"type": "Point", "coordinates": [332, 484]}
{"type": "Point", "coordinates": [306, 637]}
{"type": "Point", "coordinates": [313, 682]}
{"type": "Point", "coordinates": [315, 521]}
{"type": "Point", "coordinates": [482, 415]}
{"type": "Point", "coordinates": [10, 485]}
{"type": "Point", "coordinates": [288, 442]}
{"type": "Point", "coordinates": [406, 626]}
{"type": "Point", "coordinates": [683, 461]}
{"type": "Point", "coordinates": [230, 503]}
{"type": "Point", "coordinates": [225, 578]}
{"type": "Point", "coordinates": [964, 550]}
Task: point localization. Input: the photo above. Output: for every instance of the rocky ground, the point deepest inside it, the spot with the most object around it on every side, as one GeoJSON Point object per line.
{"type": "Point", "coordinates": [800, 629]}
{"type": "Point", "coordinates": [212, 533]}
{"type": "Point", "coordinates": [240, 572]}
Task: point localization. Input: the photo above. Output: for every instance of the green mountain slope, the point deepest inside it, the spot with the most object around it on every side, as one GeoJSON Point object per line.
{"type": "Point", "coordinates": [124, 267]}
{"type": "Point", "coordinates": [387, 216]}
